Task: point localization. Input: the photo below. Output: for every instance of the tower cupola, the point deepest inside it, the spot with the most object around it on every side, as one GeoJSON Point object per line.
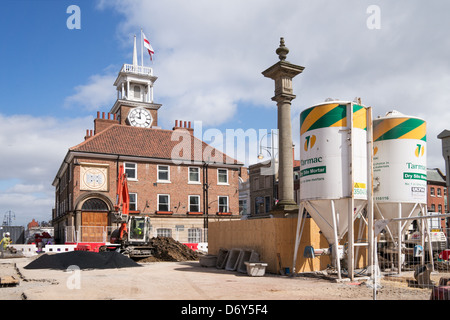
{"type": "Point", "coordinates": [134, 85]}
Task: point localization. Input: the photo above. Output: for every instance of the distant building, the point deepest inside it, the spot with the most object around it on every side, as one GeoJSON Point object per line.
{"type": "Point", "coordinates": [263, 178]}
{"type": "Point", "coordinates": [437, 194]}
{"type": "Point", "coordinates": [244, 194]}
{"type": "Point", "coordinates": [33, 224]}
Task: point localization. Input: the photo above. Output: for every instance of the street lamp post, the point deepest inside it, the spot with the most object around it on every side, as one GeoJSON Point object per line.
{"type": "Point", "coordinates": [282, 73]}
{"type": "Point", "coordinates": [273, 169]}
{"type": "Point", "coordinates": [272, 133]}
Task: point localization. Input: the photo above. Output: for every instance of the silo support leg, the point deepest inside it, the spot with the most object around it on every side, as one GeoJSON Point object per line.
{"type": "Point", "coordinates": [428, 234]}
{"type": "Point", "coordinates": [298, 235]}
{"type": "Point", "coordinates": [399, 235]}
{"type": "Point", "coordinates": [336, 242]}
{"type": "Point", "coordinates": [351, 239]}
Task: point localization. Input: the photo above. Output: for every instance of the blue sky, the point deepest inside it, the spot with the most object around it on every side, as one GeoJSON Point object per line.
{"type": "Point", "coordinates": [48, 61]}
{"type": "Point", "coordinates": [45, 56]}
{"type": "Point", "coordinates": [209, 56]}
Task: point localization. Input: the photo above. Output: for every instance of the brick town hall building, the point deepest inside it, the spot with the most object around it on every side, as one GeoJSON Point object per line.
{"type": "Point", "coordinates": [167, 171]}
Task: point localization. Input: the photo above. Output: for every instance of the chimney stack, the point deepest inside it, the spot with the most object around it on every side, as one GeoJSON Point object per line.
{"type": "Point", "coordinates": [183, 126]}
{"type": "Point", "coordinates": [104, 122]}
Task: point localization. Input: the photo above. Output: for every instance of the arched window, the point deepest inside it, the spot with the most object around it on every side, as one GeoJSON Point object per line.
{"type": "Point", "coordinates": [94, 204]}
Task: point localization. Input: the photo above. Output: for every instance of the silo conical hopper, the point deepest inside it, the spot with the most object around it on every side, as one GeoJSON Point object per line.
{"type": "Point", "coordinates": [399, 169]}
{"type": "Point", "coordinates": [333, 168]}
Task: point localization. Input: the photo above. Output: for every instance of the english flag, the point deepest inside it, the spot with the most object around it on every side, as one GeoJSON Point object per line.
{"type": "Point", "coordinates": [148, 46]}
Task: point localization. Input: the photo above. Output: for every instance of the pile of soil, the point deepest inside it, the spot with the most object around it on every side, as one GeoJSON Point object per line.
{"type": "Point", "coordinates": [83, 260]}
{"type": "Point", "coordinates": [168, 249]}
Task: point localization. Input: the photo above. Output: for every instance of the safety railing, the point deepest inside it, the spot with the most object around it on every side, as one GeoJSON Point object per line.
{"type": "Point", "coordinates": [102, 234]}
{"type": "Point", "coordinates": [129, 68]}
{"type": "Point", "coordinates": [422, 263]}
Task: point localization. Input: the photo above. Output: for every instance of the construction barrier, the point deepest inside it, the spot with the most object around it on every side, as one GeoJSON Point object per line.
{"type": "Point", "coordinates": [203, 246]}
{"type": "Point", "coordinates": [58, 248]}
{"type": "Point", "coordinates": [93, 247]}
{"type": "Point", "coordinates": [82, 247]}
{"type": "Point", "coordinates": [26, 249]}
{"type": "Point", "coordinates": [192, 246]}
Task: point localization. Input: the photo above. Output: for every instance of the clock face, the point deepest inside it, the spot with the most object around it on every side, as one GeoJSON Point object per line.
{"type": "Point", "coordinates": [94, 178]}
{"type": "Point", "coordinates": [139, 117]}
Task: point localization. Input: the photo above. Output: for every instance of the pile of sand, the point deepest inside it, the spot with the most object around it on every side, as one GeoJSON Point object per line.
{"type": "Point", "coordinates": [168, 249]}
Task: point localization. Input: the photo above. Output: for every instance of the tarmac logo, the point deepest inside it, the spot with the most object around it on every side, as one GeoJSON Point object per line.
{"type": "Point", "coordinates": [420, 150]}
{"type": "Point", "coordinates": [310, 142]}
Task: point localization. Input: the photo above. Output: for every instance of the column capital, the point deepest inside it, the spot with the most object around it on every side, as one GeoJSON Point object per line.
{"type": "Point", "coordinates": [282, 73]}
{"type": "Point", "coordinates": [282, 69]}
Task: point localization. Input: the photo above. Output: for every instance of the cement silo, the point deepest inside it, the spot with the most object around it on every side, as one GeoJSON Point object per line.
{"type": "Point", "coordinates": [334, 160]}
{"type": "Point", "coordinates": [400, 172]}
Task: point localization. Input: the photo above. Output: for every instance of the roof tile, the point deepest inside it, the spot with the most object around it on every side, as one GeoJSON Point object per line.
{"type": "Point", "coordinates": [152, 143]}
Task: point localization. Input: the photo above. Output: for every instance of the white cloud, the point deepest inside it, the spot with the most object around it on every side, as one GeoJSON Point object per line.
{"type": "Point", "coordinates": [27, 206]}
{"type": "Point", "coordinates": [27, 188]}
{"type": "Point", "coordinates": [98, 93]}
{"type": "Point", "coordinates": [203, 46]}
{"type": "Point", "coordinates": [204, 51]}
{"type": "Point", "coordinates": [32, 151]}
{"type": "Point", "coordinates": [209, 56]}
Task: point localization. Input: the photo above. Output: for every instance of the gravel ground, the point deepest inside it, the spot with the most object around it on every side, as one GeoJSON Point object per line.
{"type": "Point", "coordinates": [187, 280]}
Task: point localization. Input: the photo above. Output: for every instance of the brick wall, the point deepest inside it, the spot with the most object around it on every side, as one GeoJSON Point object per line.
{"type": "Point", "coordinates": [436, 198]}
{"type": "Point", "coordinates": [147, 187]}
{"type": "Point", "coordinates": [179, 188]}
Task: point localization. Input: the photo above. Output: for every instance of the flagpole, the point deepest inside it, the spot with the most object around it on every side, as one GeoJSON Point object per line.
{"type": "Point", "coordinates": [142, 49]}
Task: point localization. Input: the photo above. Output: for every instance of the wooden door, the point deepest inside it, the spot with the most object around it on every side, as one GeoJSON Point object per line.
{"type": "Point", "coordinates": [93, 226]}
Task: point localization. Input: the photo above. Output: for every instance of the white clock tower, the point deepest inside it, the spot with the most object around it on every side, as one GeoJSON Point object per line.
{"type": "Point", "coordinates": [134, 105]}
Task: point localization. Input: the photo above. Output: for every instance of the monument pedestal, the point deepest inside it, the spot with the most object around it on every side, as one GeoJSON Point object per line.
{"type": "Point", "coordinates": [284, 208]}
{"type": "Point", "coordinates": [282, 73]}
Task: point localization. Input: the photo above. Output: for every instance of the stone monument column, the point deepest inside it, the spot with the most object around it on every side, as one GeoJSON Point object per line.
{"type": "Point", "coordinates": [282, 73]}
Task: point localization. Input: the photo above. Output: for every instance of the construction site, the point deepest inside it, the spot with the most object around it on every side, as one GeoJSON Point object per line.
{"type": "Point", "coordinates": [351, 237]}
{"type": "Point", "coordinates": [359, 228]}
{"type": "Point", "coordinates": [286, 258]}
{"type": "Point", "coordinates": [177, 274]}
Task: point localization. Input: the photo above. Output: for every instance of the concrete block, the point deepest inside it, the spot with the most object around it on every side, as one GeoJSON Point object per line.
{"type": "Point", "coordinates": [245, 256]}
{"type": "Point", "coordinates": [208, 261]}
{"type": "Point", "coordinates": [232, 260]}
{"type": "Point", "coordinates": [222, 258]}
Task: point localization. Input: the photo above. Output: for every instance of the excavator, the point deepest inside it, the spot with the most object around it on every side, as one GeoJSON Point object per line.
{"type": "Point", "coordinates": [132, 238]}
